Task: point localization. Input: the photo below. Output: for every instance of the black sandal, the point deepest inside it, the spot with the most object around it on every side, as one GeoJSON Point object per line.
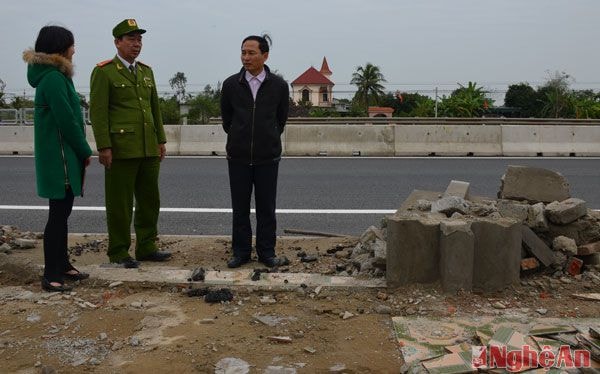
{"type": "Point", "coordinates": [47, 285]}
{"type": "Point", "coordinates": [77, 276]}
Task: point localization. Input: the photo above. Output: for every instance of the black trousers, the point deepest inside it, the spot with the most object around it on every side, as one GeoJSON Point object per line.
{"type": "Point", "coordinates": [56, 257]}
{"type": "Point", "coordinates": [263, 178]}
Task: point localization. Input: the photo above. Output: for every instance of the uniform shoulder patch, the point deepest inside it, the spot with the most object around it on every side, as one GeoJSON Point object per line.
{"type": "Point", "coordinates": [103, 63]}
{"type": "Point", "coordinates": [146, 65]}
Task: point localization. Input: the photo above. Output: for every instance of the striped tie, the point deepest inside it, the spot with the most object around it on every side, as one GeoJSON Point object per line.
{"type": "Point", "coordinates": [132, 69]}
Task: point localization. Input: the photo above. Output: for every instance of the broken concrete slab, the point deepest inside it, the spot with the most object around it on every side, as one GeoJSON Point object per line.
{"type": "Point", "coordinates": [584, 230]}
{"type": "Point", "coordinates": [513, 209]}
{"type": "Point", "coordinates": [564, 244]}
{"type": "Point", "coordinates": [593, 259]}
{"type": "Point", "coordinates": [533, 184]}
{"type": "Point", "coordinates": [537, 246]}
{"type": "Point", "coordinates": [566, 211]}
{"type": "Point", "coordinates": [453, 363]}
{"type": "Point", "coordinates": [411, 202]}
{"type": "Point", "coordinates": [177, 276]}
{"type": "Point", "coordinates": [458, 189]}
{"type": "Point", "coordinates": [457, 246]}
{"type": "Point", "coordinates": [588, 249]}
{"type": "Point", "coordinates": [536, 219]}
{"type": "Point", "coordinates": [412, 249]}
{"type": "Point", "coordinates": [449, 205]}
{"type": "Point", "coordinates": [497, 256]}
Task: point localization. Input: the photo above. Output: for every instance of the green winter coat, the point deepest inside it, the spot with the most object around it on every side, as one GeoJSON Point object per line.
{"type": "Point", "coordinates": [60, 147]}
{"type": "Point", "coordinates": [124, 110]}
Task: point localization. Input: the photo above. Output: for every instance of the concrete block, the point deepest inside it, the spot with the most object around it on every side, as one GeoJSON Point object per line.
{"type": "Point", "coordinates": [202, 140]}
{"type": "Point", "coordinates": [566, 211]}
{"type": "Point", "coordinates": [449, 205]}
{"type": "Point", "coordinates": [412, 201]}
{"type": "Point", "coordinates": [536, 219]}
{"type": "Point", "coordinates": [497, 258]}
{"type": "Point", "coordinates": [412, 249]}
{"type": "Point", "coordinates": [588, 249]}
{"type": "Point", "coordinates": [584, 230]}
{"type": "Point", "coordinates": [537, 246]}
{"type": "Point", "coordinates": [592, 259]}
{"type": "Point", "coordinates": [457, 244]}
{"type": "Point", "coordinates": [458, 189]}
{"type": "Point", "coordinates": [533, 184]}
{"type": "Point", "coordinates": [564, 244]}
{"type": "Point", "coordinates": [513, 209]}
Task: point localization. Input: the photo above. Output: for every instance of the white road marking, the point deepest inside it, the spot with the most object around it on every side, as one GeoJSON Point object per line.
{"type": "Point", "coordinates": [214, 210]}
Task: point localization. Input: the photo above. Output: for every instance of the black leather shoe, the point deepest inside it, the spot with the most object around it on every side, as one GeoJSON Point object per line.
{"type": "Point", "coordinates": [236, 262]}
{"type": "Point", "coordinates": [270, 262]}
{"type": "Point", "coordinates": [77, 276]}
{"type": "Point", "coordinates": [158, 256]}
{"type": "Point", "coordinates": [46, 285]}
{"type": "Point", "coordinates": [128, 263]}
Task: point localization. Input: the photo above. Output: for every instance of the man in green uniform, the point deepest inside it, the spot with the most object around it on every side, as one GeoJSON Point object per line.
{"type": "Point", "coordinates": [130, 138]}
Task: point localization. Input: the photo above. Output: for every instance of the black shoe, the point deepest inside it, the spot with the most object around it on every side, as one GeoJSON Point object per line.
{"type": "Point", "coordinates": [158, 256]}
{"type": "Point", "coordinates": [77, 276]}
{"type": "Point", "coordinates": [270, 262]}
{"type": "Point", "coordinates": [128, 263]}
{"type": "Point", "coordinates": [46, 285]}
{"type": "Point", "coordinates": [236, 261]}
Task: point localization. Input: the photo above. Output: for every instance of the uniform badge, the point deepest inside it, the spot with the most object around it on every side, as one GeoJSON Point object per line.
{"type": "Point", "coordinates": [131, 22]}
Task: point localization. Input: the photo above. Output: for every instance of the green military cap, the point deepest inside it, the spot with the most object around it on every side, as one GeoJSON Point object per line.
{"type": "Point", "coordinates": [125, 27]}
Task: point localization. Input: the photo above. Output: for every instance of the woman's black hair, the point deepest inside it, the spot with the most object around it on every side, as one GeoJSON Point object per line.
{"type": "Point", "coordinates": [264, 42]}
{"type": "Point", "coordinates": [54, 39]}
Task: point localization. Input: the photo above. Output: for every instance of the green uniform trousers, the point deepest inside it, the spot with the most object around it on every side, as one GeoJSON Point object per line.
{"type": "Point", "coordinates": [126, 179]}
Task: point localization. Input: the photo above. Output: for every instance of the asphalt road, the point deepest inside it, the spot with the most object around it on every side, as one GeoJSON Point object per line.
{"type": "Point", "coordinates": [309, 184]}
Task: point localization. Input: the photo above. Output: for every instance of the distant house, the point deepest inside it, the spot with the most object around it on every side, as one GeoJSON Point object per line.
{"type": "Point", "coordinates": [314, 86]}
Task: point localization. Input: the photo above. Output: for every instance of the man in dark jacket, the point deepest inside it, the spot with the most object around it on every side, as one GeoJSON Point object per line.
{"type": "Point", "coordinates": [254, 108]}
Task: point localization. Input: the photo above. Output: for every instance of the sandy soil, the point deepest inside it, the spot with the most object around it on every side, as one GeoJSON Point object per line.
{"type": "Point", "coordinates": [135, 327]}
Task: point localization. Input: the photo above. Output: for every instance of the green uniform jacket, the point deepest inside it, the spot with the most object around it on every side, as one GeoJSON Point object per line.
{"type": "Point", "coordinates": [59, 135]}
{"type": "Point", "coordinates": [124, 110]}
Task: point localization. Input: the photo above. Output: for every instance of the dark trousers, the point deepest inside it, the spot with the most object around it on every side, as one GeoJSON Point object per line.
{"type": "Point", "coordinates": [56, 257]}
{"type": "Point", "coordinates": [242, 178]}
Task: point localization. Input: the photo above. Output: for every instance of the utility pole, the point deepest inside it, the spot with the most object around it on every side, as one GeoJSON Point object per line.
{"type": "Point", "coordinates": [436, 101]}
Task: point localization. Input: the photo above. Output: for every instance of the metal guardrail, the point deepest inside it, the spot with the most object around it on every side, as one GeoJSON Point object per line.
{"type": "Point", "coordinates": [431, 121]}
{"type": "Point", "coordinates": [24, 116]}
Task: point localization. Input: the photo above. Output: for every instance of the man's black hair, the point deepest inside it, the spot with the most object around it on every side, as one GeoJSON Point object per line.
{"type": "Point", "coordinates": [54, 39]}
{"type": "Point", "coordinates": [264, 42]}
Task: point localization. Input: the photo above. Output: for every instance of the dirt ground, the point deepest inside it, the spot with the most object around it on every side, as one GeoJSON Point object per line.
{"type": "Point", "coordinates": [153, 327]}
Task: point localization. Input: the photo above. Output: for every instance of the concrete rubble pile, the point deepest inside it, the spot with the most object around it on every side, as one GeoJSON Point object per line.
{"type": "Point", "coordinates": [484, 244]}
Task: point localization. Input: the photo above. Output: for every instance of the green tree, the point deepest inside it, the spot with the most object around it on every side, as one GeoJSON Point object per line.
{"type": "Point", "coordinates": [424, 107]}
{"type": "Point", "coordinates": [169, 109]}
{"type": "Point", "coordinates": [300, 109]}
{"type": "Point", "coordinates": [586, 104]}
{"type": "Point", "coordinates": [368, 80]}
{"type": "Point", "coordinates": [522, 96]}
{"type": "Point", "coordinates": [554, 97]}
{"type": "Point", "coordinates": [2, 87]}
{"type": "Point", "coordinates": [20, 102]}
{"type": "Point", "coordinates": [205, 105]}
{"type": "Point", "coordinates": [178, 83]}
{"type": "Point", "coordinates": [405, 103]}
{"type": "Point", "coordinates": [466, 101]}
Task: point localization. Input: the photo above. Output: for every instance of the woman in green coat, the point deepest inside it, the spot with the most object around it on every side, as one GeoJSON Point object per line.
{"type": "Point", "coordinates": [61, 151]}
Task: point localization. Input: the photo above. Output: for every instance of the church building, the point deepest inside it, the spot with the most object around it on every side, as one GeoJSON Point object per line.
{"type": "Point", "coordinates": [314, 86]}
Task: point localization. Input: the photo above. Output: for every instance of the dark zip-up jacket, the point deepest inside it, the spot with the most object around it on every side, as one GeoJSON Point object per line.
{"type": "Point", "coordinates": [254, 127]}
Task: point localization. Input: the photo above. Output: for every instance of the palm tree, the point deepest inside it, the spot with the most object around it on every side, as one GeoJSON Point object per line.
{"type": "Point", "coordinates": [368, 79]}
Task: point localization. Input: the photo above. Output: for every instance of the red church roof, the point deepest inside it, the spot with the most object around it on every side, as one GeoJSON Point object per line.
{"type": "Point", "coordinates": [325, 67]}
{"type": "Point", "coordinates": [312, 76]}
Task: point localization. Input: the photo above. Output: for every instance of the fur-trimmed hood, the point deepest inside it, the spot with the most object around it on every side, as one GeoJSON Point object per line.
{"type": "Point", "coordinates": [39, 64]}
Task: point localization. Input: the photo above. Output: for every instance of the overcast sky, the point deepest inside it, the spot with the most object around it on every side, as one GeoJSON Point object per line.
{"type": "Point", "coordinates": [417, 44]}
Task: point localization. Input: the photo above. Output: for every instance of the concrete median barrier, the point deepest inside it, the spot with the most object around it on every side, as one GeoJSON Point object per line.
{"type": "Point", "coordinates": [201, 140]}
{"type": "Point", "coordinates": [448, 140]}
{"type": "Point", "coordinates": [550, 140]}
{"type": "Point", "coordinates": [16, 140]}
{"type": "Point", "coordinates": [339, 140]}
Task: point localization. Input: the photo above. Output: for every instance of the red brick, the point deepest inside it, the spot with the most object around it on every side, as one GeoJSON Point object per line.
{"type": "Point", "coordinates": [529, 263]}
{"type": "Point", "coordinates": [574, 266]}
